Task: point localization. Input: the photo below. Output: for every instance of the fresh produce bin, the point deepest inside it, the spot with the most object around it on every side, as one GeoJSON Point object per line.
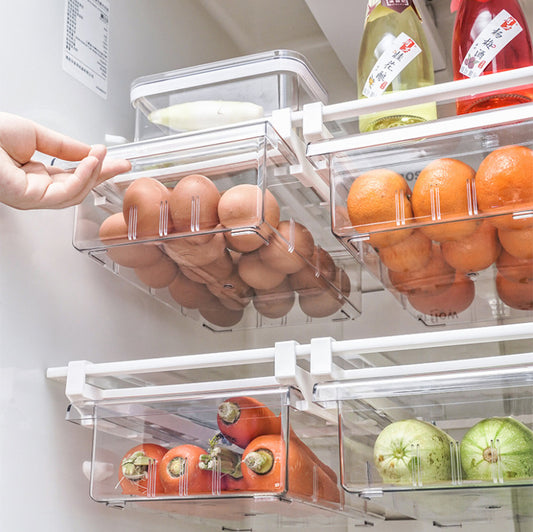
{"type": "Point", "coordinates": [214, 455]}
{"type": "Point", "coordinates": [224, 226]}
{"type": "Point", "coordinates": [222, 93]}
{"type": "Point", "coordinates": [430, 437]}
{"type": "Point", "coordinates": [442, 215]}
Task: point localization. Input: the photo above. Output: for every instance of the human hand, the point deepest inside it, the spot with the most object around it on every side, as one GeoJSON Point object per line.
{"type": "Point", "coordinates": [28, 184]}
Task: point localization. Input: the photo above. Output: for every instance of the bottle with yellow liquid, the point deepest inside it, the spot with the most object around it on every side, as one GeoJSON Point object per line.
{"type": "Point", "coordinates": [394, 56]}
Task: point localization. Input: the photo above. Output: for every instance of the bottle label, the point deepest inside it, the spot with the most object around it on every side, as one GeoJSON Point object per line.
{"type": "Point", "coordinates": [502, 29]}
{"type": "Point", "coordinates": [391, 62]}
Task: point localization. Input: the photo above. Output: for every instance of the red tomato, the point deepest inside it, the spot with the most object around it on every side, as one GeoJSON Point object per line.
{"type": "Point", "coordinates": [180, 472]}
{"type": "Point", "coordinates": [138, 470]}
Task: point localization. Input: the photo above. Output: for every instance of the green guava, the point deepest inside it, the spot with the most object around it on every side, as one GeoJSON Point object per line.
{"type": "Point", "coordinates": [413, 452]}
{"type": "Point", "coordinates": [497, 449]}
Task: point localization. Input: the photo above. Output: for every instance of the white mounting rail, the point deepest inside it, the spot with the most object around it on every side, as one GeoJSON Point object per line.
{"type": "Point", "coordinates": [319, 353]}
{"type": "Point", "coordinates": [313, 116]}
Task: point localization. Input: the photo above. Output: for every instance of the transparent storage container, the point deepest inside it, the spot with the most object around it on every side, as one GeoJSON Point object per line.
{"type": "Point", "coordinates": [442, 215]}
{"type": "Point", "coordinates": [184, 454]}
{"type": "Point", "coordinates": [223, 92]}
{"type": "Point", "coordinates": [449, 441]}
{"type": "Point", "coordinates": [224, 226]}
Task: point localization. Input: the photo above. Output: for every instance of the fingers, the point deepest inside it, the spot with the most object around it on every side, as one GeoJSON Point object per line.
{"type": "Point", "coordinates": [58, 145]}
{"type": "Point", "coordinates": [113, 167]}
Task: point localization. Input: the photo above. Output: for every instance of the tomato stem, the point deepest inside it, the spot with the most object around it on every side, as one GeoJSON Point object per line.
{"type": "Point", "coordinates": [229, 412]}
{"type": "Point", "coordinates": [135, 467]}
{"type": "Point", "coordinates": [177, 466]}
{"type": "Point", "coordinates": [230, 461]}
{"type": "Point", "coordinates": [260, 461]}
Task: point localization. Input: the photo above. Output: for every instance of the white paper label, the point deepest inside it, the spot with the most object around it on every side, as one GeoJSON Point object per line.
{"type": "Point", "coordinates": [85, 43]}
{"type": "Point", "coordinates": [502, 29]}
{"type": "Point", "coordinates": [391, 62]}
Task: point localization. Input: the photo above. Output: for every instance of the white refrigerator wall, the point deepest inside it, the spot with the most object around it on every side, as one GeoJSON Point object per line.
{"type": "Point", "coordinates": [57, 305]}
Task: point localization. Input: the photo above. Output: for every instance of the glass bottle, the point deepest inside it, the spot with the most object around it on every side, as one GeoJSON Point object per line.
{"type": "Point", "coordinates": [394, 56]}
{"type": "Point", "coordinates": [490, 36]}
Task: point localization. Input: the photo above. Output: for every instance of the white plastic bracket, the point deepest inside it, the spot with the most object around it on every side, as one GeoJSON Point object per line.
{"type": "Point", "coordinates": [76, 389]}
{"type": "Point", "coordinates": [285, 362]}
{"type": "Point", "coordinates": [313, 126]}
{"type": "Point", "coordinates": [287, 371]}
{"type": "Point", "coordinates": [321, 359]}
{"type": "Point", "coordinates": [282, 121]}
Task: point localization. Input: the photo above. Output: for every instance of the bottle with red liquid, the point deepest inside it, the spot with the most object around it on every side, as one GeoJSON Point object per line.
{"type": "Point", "coordinates": [490, 36]}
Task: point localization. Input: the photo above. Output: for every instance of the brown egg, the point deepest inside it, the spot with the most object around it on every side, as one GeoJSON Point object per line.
{"type": "Point", "coordinates": [210, 273]}
{"type": "Point", "coordinates": [115, 231]}
{"type": "Point", "coordinates": [276, 302]}
{"type": "Point", "coordinates": [257, 274]}
{"type": "Point", "coordinates": [288, 247]}
{"type": "Point", "coordinates": [193, 206]}
{"type": "Point", "coordinates": [160, 274]}
{"type": "Point", "coordinates": [322, 302]}
{"type": "Point", "coordinates": [313, 275]}
{"type": "Point", "coordinates": [232, 291]}
{"type": "Point", "coordinates": [217, 314]}
{"type": "Point", "coordinates": [145, 208]}
{"type": "Point", "coordinates": [188, 293]}
{"type": "Point", "coordinates": [246, 241]}
{"type": "Point", "coordinates": [242, 206]}
{"type": "Point", "coordinates": [186, 252]}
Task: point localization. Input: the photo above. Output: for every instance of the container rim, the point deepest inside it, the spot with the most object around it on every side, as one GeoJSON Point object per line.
{"type": "Point", "coordinates": [229, 69]}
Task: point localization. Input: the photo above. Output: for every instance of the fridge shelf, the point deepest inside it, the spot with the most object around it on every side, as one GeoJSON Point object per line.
{"type": "Point", "coordinates": [226, 227]}
{"type": "Point", "coordinates": [336, 396]}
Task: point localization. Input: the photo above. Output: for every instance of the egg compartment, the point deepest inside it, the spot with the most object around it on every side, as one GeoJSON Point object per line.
{"type": "Point", "coordinates": [427, 438]}
{"type": "Point", "coordinates": [201, 452]}
{"type": "Point", "coordinates": [441, 281]}
{"type": "Point", "coordinates": [222, 93]}
{"type": "Point", "coordinates": [225, 227]}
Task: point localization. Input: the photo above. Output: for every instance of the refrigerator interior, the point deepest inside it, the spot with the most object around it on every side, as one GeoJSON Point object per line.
{"type": "Point", "coordinates": [57, 306]}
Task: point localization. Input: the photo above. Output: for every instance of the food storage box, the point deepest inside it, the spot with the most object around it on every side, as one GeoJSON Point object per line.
{"type": "Point", "coordinates": [225, 226]}
{"type": "Point", "coordinates": [215, 455]}
{"type": "Point", "coordinates": [223, 92]}
{"type": "Point", "coordinates": [442, 214]}
{"type": "Point", "coordinates": [449, 441]}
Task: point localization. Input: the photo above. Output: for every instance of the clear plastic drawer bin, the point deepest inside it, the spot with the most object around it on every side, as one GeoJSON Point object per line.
{"type": "Point", "coordinates": [224, 227]}
{"type": "Point", "coordinates": [443, 220]}
{"type": "Point", "coordinates": [214, 455]}
{"type": "Point", "coordinates": [437, 430]}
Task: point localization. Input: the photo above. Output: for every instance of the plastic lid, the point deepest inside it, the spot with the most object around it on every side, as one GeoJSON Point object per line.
{"type": "Point", "coordinates": [230, 69]}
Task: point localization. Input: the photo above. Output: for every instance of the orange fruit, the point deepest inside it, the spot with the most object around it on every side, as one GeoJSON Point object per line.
{"type": "Point", "coordinates": [475, 252]}
{"type": "Point", "coordinates": [519, 242]}
{"type": "Point", "coordinates": [444, 191]}
{"type": "Point", "coordinates": [454, 299]}
{"type": "Point", "coordinates": [378, 200]}
{"type": "Point", "coordinates": [434, 277]}
{"type": "Point", "coordinates": [410, 254]}
{"type": "Point", "coordinates": [515, 295]}
{"type": "Point", "coordinates": [513, 268]}
{"type": "Point", "coordinates": [504, 183]}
